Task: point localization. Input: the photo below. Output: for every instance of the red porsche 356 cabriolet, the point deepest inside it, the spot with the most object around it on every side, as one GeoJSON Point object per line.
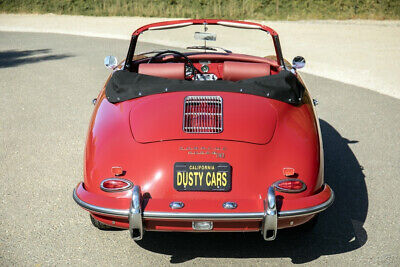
{"type": "Point", "coordinates": [199, 138]}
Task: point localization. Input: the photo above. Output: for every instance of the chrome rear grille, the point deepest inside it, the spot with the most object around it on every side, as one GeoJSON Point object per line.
{"type": "Point", "coordinates": [202, 114]}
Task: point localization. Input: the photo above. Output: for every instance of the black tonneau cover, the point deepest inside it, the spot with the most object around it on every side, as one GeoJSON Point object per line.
{"type": "Point", "coordinates": [125, 85]}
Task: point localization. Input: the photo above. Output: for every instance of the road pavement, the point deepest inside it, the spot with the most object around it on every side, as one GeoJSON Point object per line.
{"type": "Point", "coordinates": [46, 87]}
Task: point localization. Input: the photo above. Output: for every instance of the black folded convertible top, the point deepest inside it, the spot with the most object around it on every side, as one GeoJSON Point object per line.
{"type": "Point", "coordinates": [125, 85]}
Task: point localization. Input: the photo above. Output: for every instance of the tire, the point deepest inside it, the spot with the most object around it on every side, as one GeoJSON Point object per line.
{"type": "Point", "coordinates": [100, 225]}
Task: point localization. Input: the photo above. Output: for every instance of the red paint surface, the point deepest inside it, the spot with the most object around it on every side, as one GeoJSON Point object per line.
{"type": "Point", "coordinates": [250, 121]}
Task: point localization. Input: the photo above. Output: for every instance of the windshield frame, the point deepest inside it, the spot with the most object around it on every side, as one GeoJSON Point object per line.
{"type": "Point", "coordinates": [165, 25]}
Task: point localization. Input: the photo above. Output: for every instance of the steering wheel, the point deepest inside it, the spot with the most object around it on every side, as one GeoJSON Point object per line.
{"type": "Point", "coordinates": [188, 61]}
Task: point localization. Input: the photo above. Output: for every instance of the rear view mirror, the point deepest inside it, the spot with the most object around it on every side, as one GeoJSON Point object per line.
{"type": "Point", "coordinates": [298, 62]}
{"type": "Point", "coordinates": [205, 36]}
{"type": "Point", "coordinates": [110, 62]}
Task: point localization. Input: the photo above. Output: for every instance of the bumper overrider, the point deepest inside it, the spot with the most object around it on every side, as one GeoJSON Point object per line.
{"type": "Point", "coordinates": [136, 215]}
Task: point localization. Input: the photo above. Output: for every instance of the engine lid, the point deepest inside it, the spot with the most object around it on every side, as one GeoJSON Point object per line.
{"type": "Point", "coordinates": [179, 116]}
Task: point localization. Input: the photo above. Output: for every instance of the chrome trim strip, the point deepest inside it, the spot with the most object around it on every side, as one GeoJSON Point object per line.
{"type": "Point", "coordinates": [195, 216]}
{"type": "Point", "coordinates": [238, 25]}
{"type": "Point", "coordinates": [202, 216]}
{"type": "Point", "coordinates": [100, 210]}
{"type": "Point", "coordinates": [170, 26]}
{"type": "Point", "coordinates": [308, 211]}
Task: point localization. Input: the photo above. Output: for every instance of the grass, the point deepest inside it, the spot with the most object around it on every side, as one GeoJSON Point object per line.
{"type": "Point", "coordinates": [227, 9]}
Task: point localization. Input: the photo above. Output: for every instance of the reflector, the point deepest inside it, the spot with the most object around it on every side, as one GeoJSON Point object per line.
{"type": "Point", "coordinates": [117, 171]}
{"type": "Point", "coordinates": [288, 171]}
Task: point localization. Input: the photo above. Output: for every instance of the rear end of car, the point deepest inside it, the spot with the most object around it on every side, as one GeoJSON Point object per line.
{"type": "Point", "coordinates": [203, 161]}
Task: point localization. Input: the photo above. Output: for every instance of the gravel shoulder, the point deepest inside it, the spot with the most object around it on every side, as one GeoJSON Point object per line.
{"type": "Point", "coordinates": [359, 52]}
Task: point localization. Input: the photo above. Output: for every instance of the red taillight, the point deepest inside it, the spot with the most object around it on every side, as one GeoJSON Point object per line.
{"type": "Point", "coordinates": [290, 186]}
{"type": "Point", "coordinates": [115, 185]}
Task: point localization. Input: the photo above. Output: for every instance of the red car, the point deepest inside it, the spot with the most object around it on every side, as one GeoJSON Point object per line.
{"type": "Point", "coordinates": [189, 136]}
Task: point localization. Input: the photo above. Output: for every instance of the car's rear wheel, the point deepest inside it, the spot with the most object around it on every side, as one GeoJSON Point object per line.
{"type": "Point", "coordinates": [100, 225]}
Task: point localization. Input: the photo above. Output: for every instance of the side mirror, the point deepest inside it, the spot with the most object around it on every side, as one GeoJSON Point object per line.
{"type": "Point", "coordinates": [298, 62]}
{"type": "Point", "coordinates": [110, 62]}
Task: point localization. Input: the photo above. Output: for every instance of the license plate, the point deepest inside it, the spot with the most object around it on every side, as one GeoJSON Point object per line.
{"type": "Point", "coordinates": [202, 176]}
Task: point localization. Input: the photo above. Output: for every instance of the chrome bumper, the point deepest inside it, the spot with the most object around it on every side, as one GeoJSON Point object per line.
{"type": "Point", "coordinates": [135, 215]}
{"type": "Point", "coordinates": [270, 220]}
{"type": "Point", "coordinates": [270, 216]}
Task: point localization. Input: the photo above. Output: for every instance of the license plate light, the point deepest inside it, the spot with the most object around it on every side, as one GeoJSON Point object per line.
{"type": "Point", "coordinates": [202, 225]}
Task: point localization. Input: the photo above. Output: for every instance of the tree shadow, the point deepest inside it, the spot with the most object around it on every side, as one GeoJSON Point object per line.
{"type": "Point", "coordinates": [14, 58]}
{"type": "Point", "coordinates": [339, 229]}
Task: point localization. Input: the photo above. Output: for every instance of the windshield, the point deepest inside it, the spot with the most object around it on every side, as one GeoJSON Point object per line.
{"type": "Point", "coordinates": [206, 38]}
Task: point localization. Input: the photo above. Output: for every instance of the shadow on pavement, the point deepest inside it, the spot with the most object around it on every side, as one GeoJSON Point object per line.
{"type": "Point", "coordinates": [339, 229]}
{"type": "Point", "coordinates": [14, 58]}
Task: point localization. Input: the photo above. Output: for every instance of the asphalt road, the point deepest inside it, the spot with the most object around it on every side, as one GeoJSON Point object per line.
{"type": "Point", "coordinates": [47, 82]}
